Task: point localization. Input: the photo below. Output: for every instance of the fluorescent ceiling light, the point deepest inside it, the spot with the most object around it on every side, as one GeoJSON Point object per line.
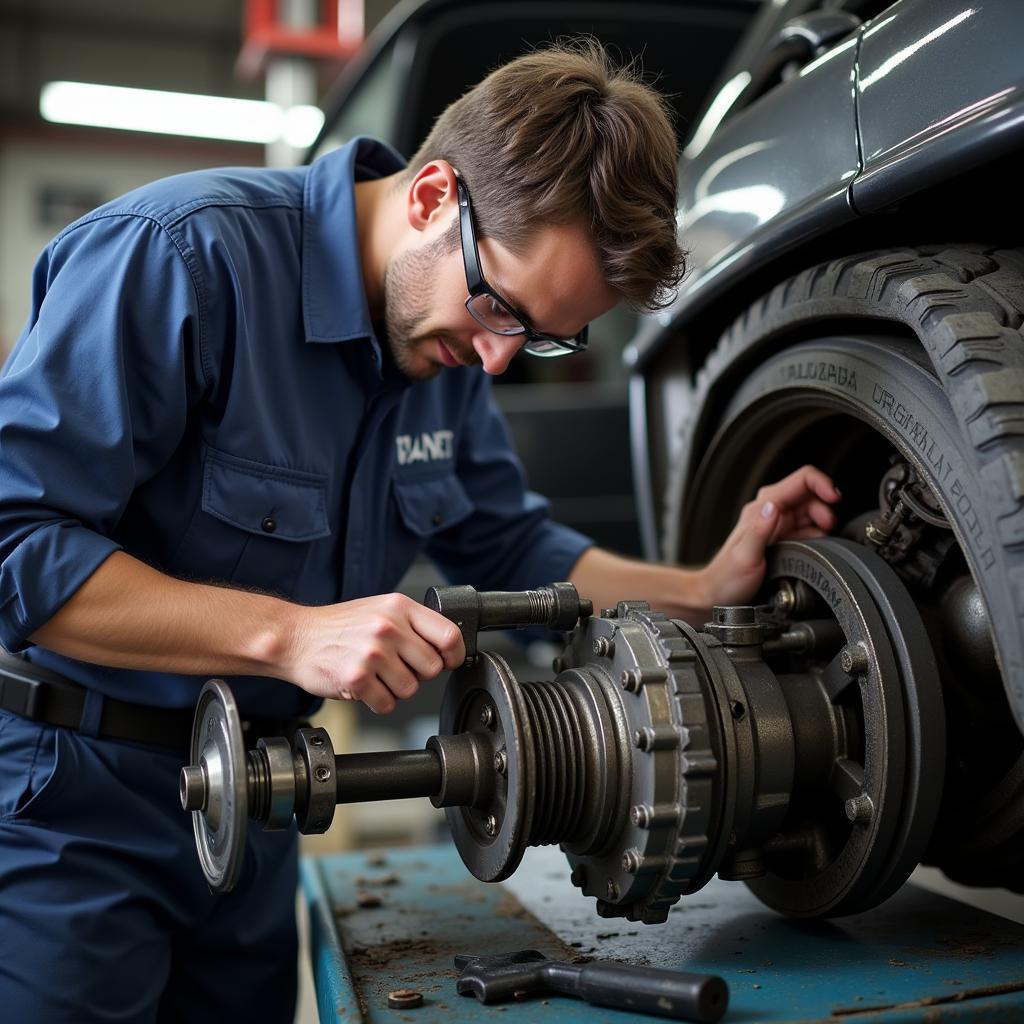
{"type": "Point", "coordinates": [178, 113]}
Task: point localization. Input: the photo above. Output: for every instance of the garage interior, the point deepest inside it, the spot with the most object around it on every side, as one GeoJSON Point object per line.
{"type": "Point", "coordinates": [601, 822]}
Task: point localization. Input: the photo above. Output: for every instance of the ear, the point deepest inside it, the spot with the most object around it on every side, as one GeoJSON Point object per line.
{"type": "Point", "coordinates": [432, 195]}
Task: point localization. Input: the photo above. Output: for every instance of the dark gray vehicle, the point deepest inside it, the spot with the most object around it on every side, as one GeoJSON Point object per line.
{"type": "Point", "coordinates": [849, 191]}
{"type": "Point", "coordinates": [851, 197]}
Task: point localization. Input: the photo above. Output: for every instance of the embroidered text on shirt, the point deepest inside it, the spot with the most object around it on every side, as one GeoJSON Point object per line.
{"type": "Point", "coordinates": [424, 447]}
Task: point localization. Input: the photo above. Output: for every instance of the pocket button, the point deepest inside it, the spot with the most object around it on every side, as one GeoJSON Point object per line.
{"type": "Point", "coordinates": [269, 525]}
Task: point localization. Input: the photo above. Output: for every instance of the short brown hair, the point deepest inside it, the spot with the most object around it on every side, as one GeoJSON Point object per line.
{"type": "Point", "coordinates": [562, 135]}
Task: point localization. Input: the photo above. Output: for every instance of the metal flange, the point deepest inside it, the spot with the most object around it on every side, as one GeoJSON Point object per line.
{"type": "Point", "coordinates": [849, 827]}
{"type": "Point", "coordinates": [484, 699]}
{"type": "Point", "coordinates": [213, 786]}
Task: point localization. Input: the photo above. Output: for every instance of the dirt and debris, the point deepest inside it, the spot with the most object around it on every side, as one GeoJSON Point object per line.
{"type": "Point", "coordinates": [608, 935]}
{"type": "Point", "coordinates": [899, 963]}
{"type": "Point", "coordinates": [378, 880]}
{"type": "Point", "coordinates": [377, 860]}
{"type": "Point", "coordinates": [372, 958]}
{"type": "Point", "coordinates": [368, 900]}
{"type": "Point", "coordinates": [984, 992]}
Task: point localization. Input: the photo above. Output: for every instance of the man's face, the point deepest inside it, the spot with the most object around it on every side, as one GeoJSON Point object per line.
{"type": "Point", "coordinates": [557, 283]}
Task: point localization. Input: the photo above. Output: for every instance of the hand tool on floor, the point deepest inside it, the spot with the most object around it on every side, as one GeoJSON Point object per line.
{"type": "Point", "coordinates": [676, 994]}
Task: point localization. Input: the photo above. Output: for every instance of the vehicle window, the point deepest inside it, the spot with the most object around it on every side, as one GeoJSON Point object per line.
{"type": "Point", "coordinates": [370, 109]}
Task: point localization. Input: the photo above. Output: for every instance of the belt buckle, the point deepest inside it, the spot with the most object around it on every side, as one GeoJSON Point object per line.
{"type": "Point", "coordinates": [20, 696]}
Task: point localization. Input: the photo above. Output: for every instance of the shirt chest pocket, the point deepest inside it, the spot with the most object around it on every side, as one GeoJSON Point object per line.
{"type": "Point", "coordinates": [256, 524]}
{"type": "Point", "coordinates": [431, 505]}
{"type": "Point", "coordinates": [422, 508]}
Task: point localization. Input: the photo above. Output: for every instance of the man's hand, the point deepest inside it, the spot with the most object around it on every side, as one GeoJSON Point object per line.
{"type": "Point", "coordinates": [377, 650]}
{"type": "Point", "coordinates": [794, 508]}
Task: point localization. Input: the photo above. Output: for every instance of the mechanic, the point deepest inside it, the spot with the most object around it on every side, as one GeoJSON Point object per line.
{"type": "Point", "coordinates": [243, 401]}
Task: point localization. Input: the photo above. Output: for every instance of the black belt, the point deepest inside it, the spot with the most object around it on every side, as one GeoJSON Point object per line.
{"type": "Point", "coordinates": [36, 693]}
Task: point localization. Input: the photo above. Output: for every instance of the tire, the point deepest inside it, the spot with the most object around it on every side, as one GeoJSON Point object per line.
{"type": "Point", "coordinates": [949, 319]}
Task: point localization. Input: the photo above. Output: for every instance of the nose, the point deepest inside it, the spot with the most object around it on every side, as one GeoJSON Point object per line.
{"type": "Point", "coordinates": [495, 350]}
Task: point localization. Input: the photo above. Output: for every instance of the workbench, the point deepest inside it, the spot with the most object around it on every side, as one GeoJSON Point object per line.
{"type": "Point", "coordinates": [395, 921]}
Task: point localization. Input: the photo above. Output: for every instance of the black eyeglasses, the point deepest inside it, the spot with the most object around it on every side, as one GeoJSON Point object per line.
{"type": "Point", "coordinates": [489, 309]}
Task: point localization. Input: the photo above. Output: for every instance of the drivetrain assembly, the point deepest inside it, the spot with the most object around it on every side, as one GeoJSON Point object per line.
{"type": "Point", "coordinates": [797, 745]}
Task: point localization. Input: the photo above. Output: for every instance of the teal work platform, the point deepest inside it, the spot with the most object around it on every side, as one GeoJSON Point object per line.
{"type": "Point", "coordinates": [395, 921]}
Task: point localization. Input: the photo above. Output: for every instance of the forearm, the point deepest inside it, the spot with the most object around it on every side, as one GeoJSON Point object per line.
{"type": "Point", "coordinates": [607, 579]}
{"type": "Point", "coordinates": [129, 615]}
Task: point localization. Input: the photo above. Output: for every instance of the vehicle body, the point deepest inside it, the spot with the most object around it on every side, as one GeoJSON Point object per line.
{"type": "Point", "coordinates": [851, 201]}
{"type": "Point", "coordinates": [849, 198]}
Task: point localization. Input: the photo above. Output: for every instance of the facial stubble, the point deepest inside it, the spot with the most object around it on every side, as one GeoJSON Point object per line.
{"type": "Point", "coordinates": [409, 287]}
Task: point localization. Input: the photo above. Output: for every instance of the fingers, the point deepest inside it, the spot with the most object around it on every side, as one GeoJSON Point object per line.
{"type": "Point", "coordinates": [376, 695]}
{"type": "Point", "coordinates": [440, 633]}
{"type": "Point", "coordinates": [805, 481]}
{"type": "Point", "coordinates": [415, 644]}
{"type": "Point", "coordinates": [377, 650]}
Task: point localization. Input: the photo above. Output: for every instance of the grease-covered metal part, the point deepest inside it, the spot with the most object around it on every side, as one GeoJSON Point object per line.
{"type": "Point", "coordinates": [796, 745]}
{"type": "Point", "coordinates": [556, 606]}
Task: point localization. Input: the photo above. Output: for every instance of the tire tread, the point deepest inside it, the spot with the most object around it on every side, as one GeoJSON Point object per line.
{"type": "Point", "coordinates": [965, 304]}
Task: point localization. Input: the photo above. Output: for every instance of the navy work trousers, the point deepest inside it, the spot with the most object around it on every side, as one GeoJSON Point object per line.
{"type": "Point", "coordinates": [104, 912]}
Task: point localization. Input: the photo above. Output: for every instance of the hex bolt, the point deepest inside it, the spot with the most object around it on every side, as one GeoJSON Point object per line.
{"type": "Point", "coordinates": [609, 613]}
{"type": "Point", "coordinates": [612, 890]}
{"type": "Point", "coordinates": [487, 716]}
{"type": "Point", "coordinates": [649, 738]}
{"type": "Point", "coordinates": [874, 534]}
{"type": "Point", "coordinates": [859, 808]}
{"type": "Point", "coordinates": [491, 825]}
{"type": "Point", "coordinates": [631, 861]}
{"type": "Point", "coordinates": [322, 774]}
{"type": "Point", "coordinates": [853, 659]}
{"type": "Point", "coordinates": [640, 815]}
{"type": "Point", "coordinates": [631, 680]}
{"type": "Point", "coordinates": [785, 597]}
{"type": "Point", "coordinates": [603, 647]}
{"type": "Point", "coordinates": [558, 664]}
{"type": "Point", "coordinates": [500, 762]}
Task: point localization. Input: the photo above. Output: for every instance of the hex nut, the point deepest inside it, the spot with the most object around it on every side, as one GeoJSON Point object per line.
{"type": "Point", "coordinates": [404, 999]}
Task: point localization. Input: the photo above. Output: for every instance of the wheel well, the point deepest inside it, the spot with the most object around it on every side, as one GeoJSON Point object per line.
{"type": "Point", "coordinates": [982, 205]}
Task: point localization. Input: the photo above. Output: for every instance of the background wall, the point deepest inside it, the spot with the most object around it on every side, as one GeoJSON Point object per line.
{"type": "Point", "coordinates": [50, 174]}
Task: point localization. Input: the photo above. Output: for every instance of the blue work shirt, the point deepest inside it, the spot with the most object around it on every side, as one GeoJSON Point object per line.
{"type": "Point", "coordinates": [199, 384]}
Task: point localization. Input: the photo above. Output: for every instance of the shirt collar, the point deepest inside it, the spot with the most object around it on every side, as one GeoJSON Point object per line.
{"type": "Point", "coordinates": [334, 306]}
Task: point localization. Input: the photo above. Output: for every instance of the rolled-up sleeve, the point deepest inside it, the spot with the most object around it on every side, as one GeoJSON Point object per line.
{"type": "Point", "coordinates": [93, 400]}
{"type": "Point", "coordinates": [508, 542]}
